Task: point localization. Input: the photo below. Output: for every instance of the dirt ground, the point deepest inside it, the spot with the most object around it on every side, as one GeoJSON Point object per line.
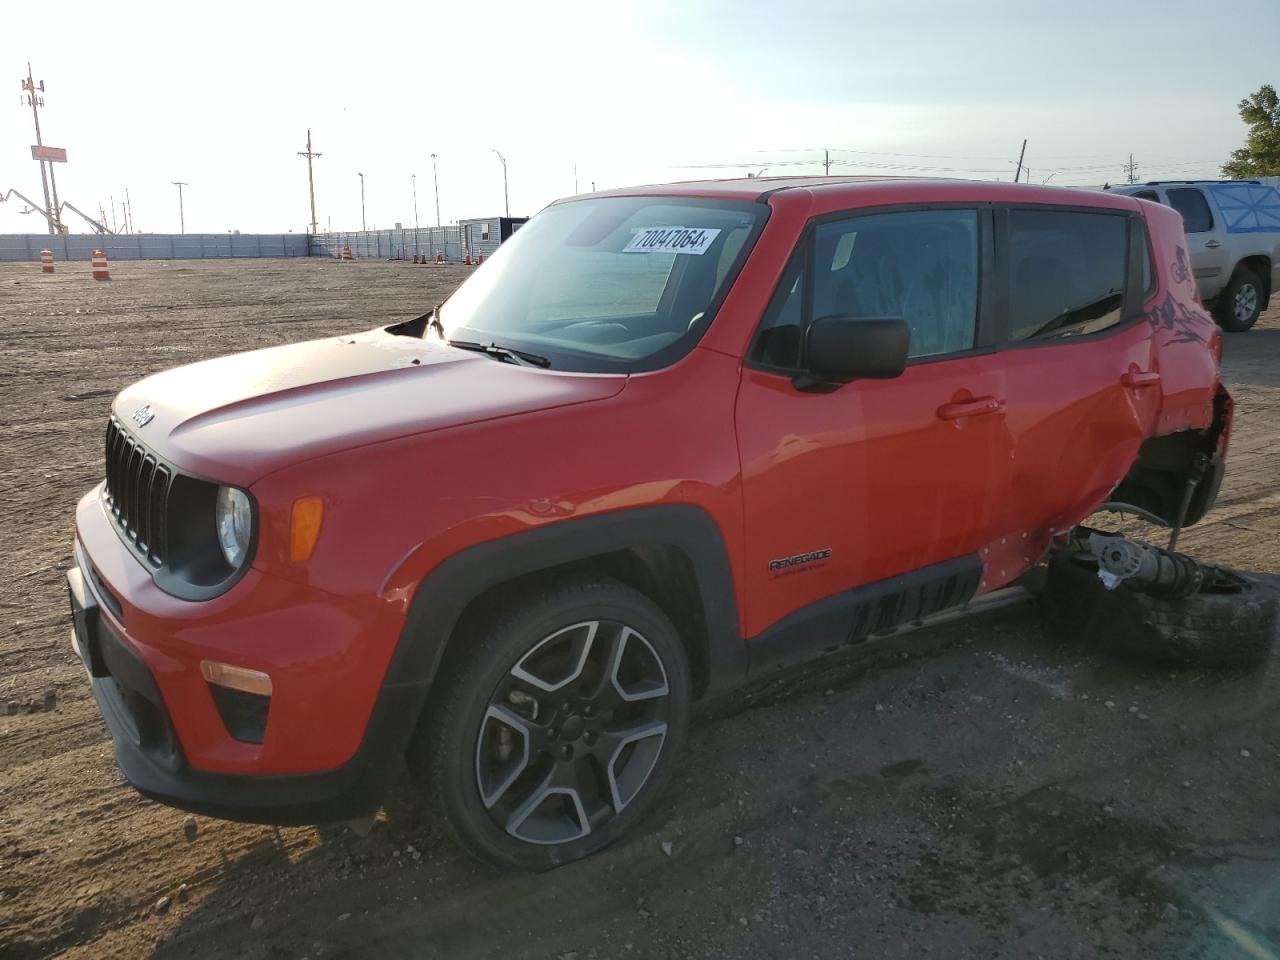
{"type": "Point", "coordinates": [971, 790]}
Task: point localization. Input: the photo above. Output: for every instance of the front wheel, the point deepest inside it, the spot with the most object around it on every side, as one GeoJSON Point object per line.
{"type": "Point", "coordinates": [557, 723]}
{"type": "Point", "coordinates": [1241, 302]}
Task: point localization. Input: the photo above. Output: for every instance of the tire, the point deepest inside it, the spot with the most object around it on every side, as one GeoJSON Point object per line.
{"type": "Point", "coordinates": [1241, 302]}
{"type": "Point", "coordinates": [1231, 628]}
{"type": "Point", "coordinates": [535, 702]}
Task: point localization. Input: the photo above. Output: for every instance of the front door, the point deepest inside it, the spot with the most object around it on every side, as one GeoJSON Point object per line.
{"type": "Point", "coordinates": [873, 479]}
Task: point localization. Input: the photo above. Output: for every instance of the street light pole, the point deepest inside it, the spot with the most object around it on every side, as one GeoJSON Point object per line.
{"type": "Point", "coordinates": [436, 177]}
{"type": "Point", "coordinates": [505, 198]}
{"type": "Point", "coordinates": [363, 225]}
{"type": "Point", "coordinates": [182, 217]}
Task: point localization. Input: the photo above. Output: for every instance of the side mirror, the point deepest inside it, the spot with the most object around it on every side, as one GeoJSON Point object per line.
{"type": "Point", "coordinates": [839, 349]}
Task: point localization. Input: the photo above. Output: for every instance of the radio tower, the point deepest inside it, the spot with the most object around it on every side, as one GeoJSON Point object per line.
{"type": "Point", "coordinates": [35, 97]}
{"type": "Point", "coordinates": [311, 180]}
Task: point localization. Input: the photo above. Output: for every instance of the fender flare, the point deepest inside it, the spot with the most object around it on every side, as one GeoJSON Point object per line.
{"type": "Point", "coordinates": [445, 592]}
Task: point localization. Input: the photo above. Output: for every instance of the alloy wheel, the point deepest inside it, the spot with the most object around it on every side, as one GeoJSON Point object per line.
{"type": "Point", "coordinates": [572, 732]}
{"type": "Point", "coordinates": [1246, 302]}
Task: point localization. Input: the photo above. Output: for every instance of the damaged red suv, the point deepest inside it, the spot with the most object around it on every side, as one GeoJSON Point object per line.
{"type": "Point", "coordinates": [665, 441]}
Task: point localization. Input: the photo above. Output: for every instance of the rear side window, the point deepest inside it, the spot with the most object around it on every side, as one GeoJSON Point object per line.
{"type": "Point", "coordinates": [1196, 217]}
{"type": "Point", "coordinates": [921, 266]}
{"type": "Point", "coordinates": [1066, 273]}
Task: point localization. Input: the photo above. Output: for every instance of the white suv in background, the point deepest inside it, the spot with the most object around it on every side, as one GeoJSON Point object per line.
{"type": "Point", "coordinates": [1233, 241]}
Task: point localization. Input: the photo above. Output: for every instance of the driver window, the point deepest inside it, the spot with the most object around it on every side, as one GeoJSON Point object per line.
{"type": "Point", "coordinates": [920, 265]}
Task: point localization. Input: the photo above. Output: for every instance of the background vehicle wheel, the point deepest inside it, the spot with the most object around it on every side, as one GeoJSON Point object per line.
{"type": "Point", "coordinates": [1232, 626]}
{"type": "Point", "coordinates": [1238, 307]}
{"type": "Point", "coordinates": [555, 724]}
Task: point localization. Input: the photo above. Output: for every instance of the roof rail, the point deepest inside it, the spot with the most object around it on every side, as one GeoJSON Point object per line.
{"type": "Point", "coordinates": [1160, 183]}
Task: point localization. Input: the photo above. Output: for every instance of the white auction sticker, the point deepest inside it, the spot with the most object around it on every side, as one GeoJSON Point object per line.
{"type": "Point", "coordinates": [693, 240]}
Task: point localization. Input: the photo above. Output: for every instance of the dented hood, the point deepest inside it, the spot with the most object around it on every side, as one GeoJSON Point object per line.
{"type": "Point", "coordinates": [240, 417]}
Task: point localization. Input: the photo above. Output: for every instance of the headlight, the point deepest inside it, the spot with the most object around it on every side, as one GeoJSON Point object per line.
{"type": "Point", "coordinates": [234, 521]}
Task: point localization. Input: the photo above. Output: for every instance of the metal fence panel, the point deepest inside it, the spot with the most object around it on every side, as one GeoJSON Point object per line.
{"type": "Point", "coordinates": [449, 242]}
{"type": "Point", "coordinates": [19, 247]}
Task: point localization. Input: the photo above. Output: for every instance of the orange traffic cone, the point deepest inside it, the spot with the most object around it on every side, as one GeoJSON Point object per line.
{"type": "Point", "coordinates": [439, 257]}
{"type": "Point", "coordinates": [46, 261]}
{"type": "Point", "coordinates": [466, 260]}
{"type": "Point", "coordinates": [479, 259]}
{"type": "Point", "coordinates": [100, 270]}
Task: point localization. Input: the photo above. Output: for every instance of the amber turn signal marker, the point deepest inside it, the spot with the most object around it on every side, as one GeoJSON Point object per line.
{"type": "Point", "coordinates": [237, 678]}
{"type": "Point", "coordinates": [304, 527]}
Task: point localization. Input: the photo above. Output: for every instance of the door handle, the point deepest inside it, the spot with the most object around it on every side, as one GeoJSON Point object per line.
{"type": "Point", "coordinates": [1213, 244]}
{"type": "Point", "coordinates": [1140, 378]}
{"type": "Point", "coordinates": [977, 407]}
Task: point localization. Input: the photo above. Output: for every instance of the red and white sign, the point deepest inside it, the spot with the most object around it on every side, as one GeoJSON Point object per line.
{"type": "Point", "coordinates": [53, 154]}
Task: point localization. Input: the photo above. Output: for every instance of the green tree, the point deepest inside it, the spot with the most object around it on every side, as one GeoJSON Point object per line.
{"type": "Point", "coordinates": [1260, 156]}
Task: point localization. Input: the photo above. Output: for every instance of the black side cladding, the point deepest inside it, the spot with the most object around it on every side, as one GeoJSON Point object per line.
{"type": "Point", "coordinates": [850, 617]}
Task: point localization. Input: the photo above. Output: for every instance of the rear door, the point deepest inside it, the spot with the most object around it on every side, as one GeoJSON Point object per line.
{"type": "Point", "coordinates": [1206, 239]}
{"type": "Point", "coordinates": [875, 478]}
{"type": "Point", "coordinates": [1082, 386]}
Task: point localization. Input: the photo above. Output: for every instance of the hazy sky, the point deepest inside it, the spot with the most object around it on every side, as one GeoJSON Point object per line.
{"type": "Point", "coordinates": [220, 95]}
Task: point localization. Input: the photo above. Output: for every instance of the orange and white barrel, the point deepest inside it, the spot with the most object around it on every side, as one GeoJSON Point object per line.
{"type": "Point", "coordinates": [346, 252]}
{"type": "Point", "coordinates": [46, 261]}
{"type": "Point", "coordinates": [439, 257]}
{"type": "Point", "coordinates": [100, 270]}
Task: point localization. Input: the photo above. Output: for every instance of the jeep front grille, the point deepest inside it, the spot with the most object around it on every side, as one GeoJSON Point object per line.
{"type": "Point", "coordinates": [138, 492]}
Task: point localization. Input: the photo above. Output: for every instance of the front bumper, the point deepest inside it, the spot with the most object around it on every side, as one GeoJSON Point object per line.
{"type": "Point", "coordinates": [169, 739]}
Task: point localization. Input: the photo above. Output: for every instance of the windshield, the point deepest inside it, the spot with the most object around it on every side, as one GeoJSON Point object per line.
{"type": "Point", "coordinates": [616, 284]}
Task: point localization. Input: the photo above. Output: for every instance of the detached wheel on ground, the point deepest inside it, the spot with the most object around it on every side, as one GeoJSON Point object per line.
{"type": "Point", "coordinates": [1232, 623]}
{"type": "Point", "coordinates": [1238, 307]}
{"type": "Point", "coordinates": [556, 723]}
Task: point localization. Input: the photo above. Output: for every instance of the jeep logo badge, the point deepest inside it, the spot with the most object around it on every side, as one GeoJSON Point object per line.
{"type": "Point", "coordinates": [143, 415]}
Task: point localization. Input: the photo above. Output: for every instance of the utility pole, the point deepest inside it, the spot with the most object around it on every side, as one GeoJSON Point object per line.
{"type": "Point", "coordinates": [575, 179]}
{"type": "Point", "coordinates": [826, 162]}
{"type": "Point", "coordinates": [1021, 154]}
{"type": "Point", "coordinates": [414, 178]}
{"type": "Point", "coordinates": [436, 177]}
{"type": "Point", "coordinates": [35, 97]}
{"type": "Point", "coordinates": [1131, 170]}
{"type": "Point", "coordinates": [505, 200]}
{"type": "Point", "coordinates": [363, 225]}
{"type": "Point", "coordinates": [311, 180]}
{"type": "Point", "coordinates": [182, 216]}
{"type": "Point", "coordinates": [128, 205]}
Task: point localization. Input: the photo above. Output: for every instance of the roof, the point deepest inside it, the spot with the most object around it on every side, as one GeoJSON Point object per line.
{"type": "Point", "coordinates": [870, 190]}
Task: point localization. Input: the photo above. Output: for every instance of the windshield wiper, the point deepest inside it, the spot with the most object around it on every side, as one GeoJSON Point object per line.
{"type": "Point", "coordinates": [505, 354]}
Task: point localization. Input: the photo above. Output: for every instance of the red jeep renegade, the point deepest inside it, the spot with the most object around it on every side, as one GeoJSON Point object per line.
{"type": "Point", "coordinates": [665, 441]}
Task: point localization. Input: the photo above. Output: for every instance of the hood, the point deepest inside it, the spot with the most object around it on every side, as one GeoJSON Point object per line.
{"type": "Point", "coordinates": [240, 417]}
